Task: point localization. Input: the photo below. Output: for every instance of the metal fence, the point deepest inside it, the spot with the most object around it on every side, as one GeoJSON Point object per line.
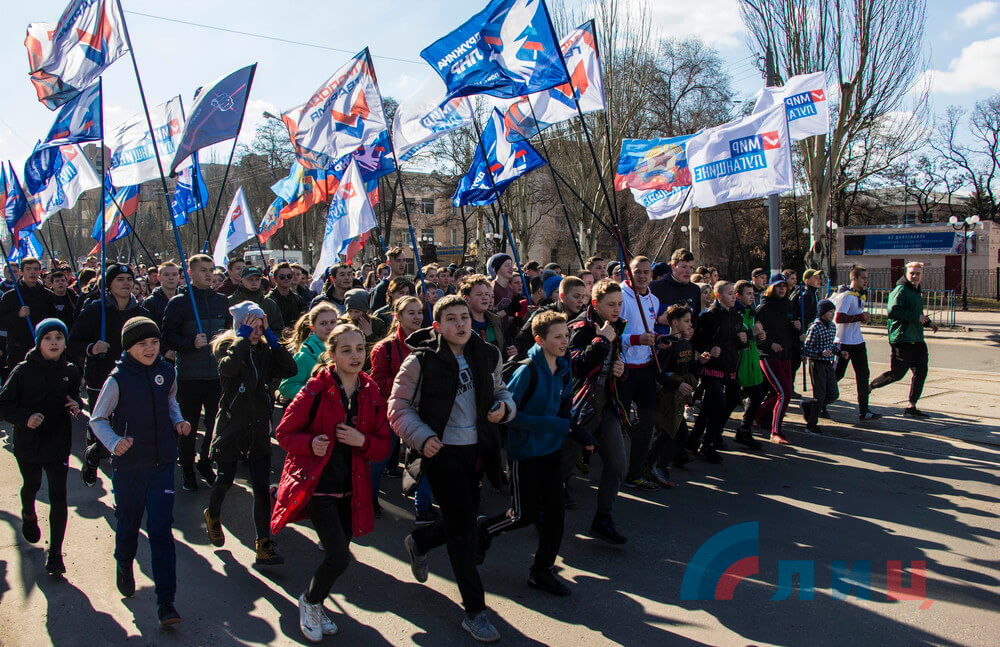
{"type": "Point", "coordinates": [982, 283]}
{"type": "Point", "coordinates": [939, 305]}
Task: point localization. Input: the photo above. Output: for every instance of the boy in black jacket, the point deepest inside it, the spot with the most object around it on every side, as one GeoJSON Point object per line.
{"type": "Point", "coordinates": [31, 301]}
{"type": "Point", "coordinates": [135, 417]}
{"type": "Point", "coordinates": [720, 335]}
{"type": "Point", "coordinates": [38, 398]}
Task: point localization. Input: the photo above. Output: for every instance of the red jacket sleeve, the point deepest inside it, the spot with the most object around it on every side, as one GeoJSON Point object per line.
{"type": "Point", "coordinates": [377, 445]}
{"type": "Point", "coordinates": [291, 433]}
{"type": "Point", "coordinates": [382, 369]}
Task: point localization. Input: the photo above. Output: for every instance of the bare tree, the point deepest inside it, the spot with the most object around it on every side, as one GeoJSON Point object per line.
{"type": "Point", "coordinates": [872, 51]}
{"type": "Point", "coordinates": [976, 161]}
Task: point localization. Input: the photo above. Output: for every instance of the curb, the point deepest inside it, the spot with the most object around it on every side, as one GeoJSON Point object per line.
{"type": "Point", "coordinates": [963, 333]}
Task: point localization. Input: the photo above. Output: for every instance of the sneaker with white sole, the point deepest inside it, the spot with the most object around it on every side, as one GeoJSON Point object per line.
{"type": "Point", "coordinates": [328, 625]}
{"type": "Point", "coordinates": [310, 619]}
{"type": "Point", "coordinates": [479, 627]}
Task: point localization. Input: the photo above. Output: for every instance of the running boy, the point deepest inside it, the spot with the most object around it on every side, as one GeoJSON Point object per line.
{"type": "Point", "coordinates": [135, 417]}
{"type": "Point", "coordinates": [822, 349]}
{"type": "Point", "coordinates": [446, 402]}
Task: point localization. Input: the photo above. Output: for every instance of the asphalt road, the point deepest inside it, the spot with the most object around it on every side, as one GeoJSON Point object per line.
{"type": "Point", "coordinates": [853, 495]}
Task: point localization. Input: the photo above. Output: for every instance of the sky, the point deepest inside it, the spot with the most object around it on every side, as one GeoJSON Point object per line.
{"type": "Point", "coordinates": [962, 45]}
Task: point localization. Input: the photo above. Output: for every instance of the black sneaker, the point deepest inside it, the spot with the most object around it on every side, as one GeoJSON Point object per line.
{"type": "Point", "coordinates": [545, 580]}
{"type": "Point", "coordinates": [806, 406]}
{"type": "Point", "coordinates": [823, 413]}
{"type": "Point", "coordinates": [188, 481]}
{"type": "Point", "coordinates": [394, 472]}
{"type": "Point", "coordinates": [425, 517]}
{"type": "Point", "coordinates": [914, 412]}
{"type": "Point", "coordinates": [54, 564]}
{"type": "Point", "coordinates": [681, 459]}
{"type": "Point", "coordinates": [205, 470]}
{"type": "Point", "coordinates": [88, 475]}
{"type": "Point", "coordinates": [869, 415]}
{"type": "Point", "coordinates": [377, 507]}
{"type": "Point", "coordinates": [745, 438]}
{"type": "Point", "coordinates": [29, 527]}
{"type": "Point", "coordinates": [711, 455]}
{"type": "Point", "coordinates": [168, 614]}
{"type": "Point", "coordinates": [484, 540]}
{"type": "Point", "coordinates": [723, 445]}
{"type": "Point", "coordinates": [125, 580]}
{"type": "Point", "coordinates": [642, 483]}
{"type": "Point", "coordinates": [604, 528]}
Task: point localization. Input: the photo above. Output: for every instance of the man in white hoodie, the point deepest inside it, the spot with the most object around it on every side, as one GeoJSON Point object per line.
{"type": "Point", "coordinates": [640, 376]}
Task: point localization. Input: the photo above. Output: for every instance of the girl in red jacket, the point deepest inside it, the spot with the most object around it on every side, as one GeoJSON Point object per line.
{"type": "Point", "coordinates": [333, 428]}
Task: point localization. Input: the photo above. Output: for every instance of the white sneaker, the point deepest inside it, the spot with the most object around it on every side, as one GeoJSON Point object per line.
{"type": "Point", "coordinates": [329, 627]}
{"type": "Point", "coordinates": [310, 619]}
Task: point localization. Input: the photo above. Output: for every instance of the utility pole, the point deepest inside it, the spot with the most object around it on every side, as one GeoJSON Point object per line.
{"type": "Point", "coordinates": [694, 234]}
{"type": "Point", "coordinates": [773, 213]}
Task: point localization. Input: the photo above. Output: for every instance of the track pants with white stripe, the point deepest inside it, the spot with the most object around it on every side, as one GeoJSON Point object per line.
{"type": "Point", "coordinates": [779, 374]}
{"type": "Point", "coordinates": [536, 495]}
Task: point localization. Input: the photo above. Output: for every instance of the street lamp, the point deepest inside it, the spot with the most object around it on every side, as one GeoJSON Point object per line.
{"type": "Point", "coordinates": [496, 238]}
{"type": "Point", "coordinates": [964, 226]}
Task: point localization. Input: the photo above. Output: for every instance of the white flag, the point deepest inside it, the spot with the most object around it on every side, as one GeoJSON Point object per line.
{"type": "Point", "coordinates": [744, 159]}
{"type": "Point", "coordinates": [350, 215]}
{"type": "Point", "coordinates": [425, 116]}
{"type": "Point", "coordinates": [806, 105]}
{"type": "Point", "coordinates": [133, 160]}
{"type": "Point", "coordinates": [237, 229]}
{"type": "Point", "coordinates": [661, 204]}
{"type": "Point", "coordinates": [75, 175]}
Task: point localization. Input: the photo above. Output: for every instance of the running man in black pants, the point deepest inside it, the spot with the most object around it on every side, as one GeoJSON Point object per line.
{"type": "Point", "coordinates": [850, 315]}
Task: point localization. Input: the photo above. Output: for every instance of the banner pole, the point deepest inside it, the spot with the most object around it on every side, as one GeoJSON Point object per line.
{"type": "Point", "coordinates": [69, 248]}
{"type": "Point", "coordinates": [159, 166]}
{"type": "Point", "coordinates": [562, 202]}
{"type": "Point", "coordinates": [104, 193]}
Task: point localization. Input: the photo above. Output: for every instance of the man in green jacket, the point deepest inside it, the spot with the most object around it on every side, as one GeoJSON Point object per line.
{"type": "Point", "coordinates": [907, 320]}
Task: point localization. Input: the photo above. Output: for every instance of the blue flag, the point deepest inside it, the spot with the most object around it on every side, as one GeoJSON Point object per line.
{"type": "Point", "coordinates": [507, 50]}
{"type": "Point", "coordinates": [505, 160]}
{"type": "Point", "coordinates": [216, 115]}
{"type": "Point", "coordinates": [78, 121]}
{"type": "Point", "coordinates": [190, 194]}
{"type": "Point", "coordinates": [25, 247]}
{"type": "Point", "coordinates": [20, 218]}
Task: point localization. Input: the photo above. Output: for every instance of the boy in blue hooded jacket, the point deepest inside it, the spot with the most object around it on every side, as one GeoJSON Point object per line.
{"type": "Point", "coordinates": [542, 387]}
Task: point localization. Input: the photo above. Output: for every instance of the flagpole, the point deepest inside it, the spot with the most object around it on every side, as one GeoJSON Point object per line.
{"type": "Point", "coordinates": [232, 151]}
{"type": "Point", "coordinates": [569, 223]}
{"type": "Point", "coordinates": [45, 246]}
{"type": "Point", "coordinates": [583, 202]}
{"type": "Point", "coordinates": [131, 229]}
{"type": "Point", "coordinates": [159, 167]}
{"type": "Point", "coordinates": [69, 248]}
{"type": "Point", "coordinates": [503, 213]}
{"type": "Point", "coordinates": [104, 191]}
{"type": "Point", "coordinates": [607, 118]}
{"type": "Point", "coordinates": [6, 259]}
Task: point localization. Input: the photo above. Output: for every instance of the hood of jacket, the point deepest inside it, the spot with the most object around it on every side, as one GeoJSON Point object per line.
{"type": "Point", "coordinates": [537, 356]}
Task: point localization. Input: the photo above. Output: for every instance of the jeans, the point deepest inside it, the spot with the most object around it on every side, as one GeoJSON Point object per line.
{"type": "Point", "coordinates": [906, 356]}
{"type": "Point", "coordinates": [755, 396]}
{"type": "Point", "coordinates": [536, 495]}
{"type": "Point", "coordinates": [192, 396]}
{"type": "Point", "coordinates": [640, 387]}
{"type": "Point", "coordinates": [858, 358]}
{"type": "Point", "coordinates": [260, 483]}
{"type": "Point", "coordinates": [421, 497]}
{"type": "Point", "coordinates": [825, 390]}
{"type": "Point", "coordinates": [454, 479]}
{"type": "Point", "coordinates": [149, 492]}
{"type": "Point", "coordinates": [55, 474]}
{"type": "Point", "coordinates": [331, 517]}
{"type": "Point", "coordinates": [779, 374]}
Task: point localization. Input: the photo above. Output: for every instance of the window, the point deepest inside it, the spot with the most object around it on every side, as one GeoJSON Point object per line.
{"type": "Point", "coordinates": [402, 237]}
{"type": "Point", "coordinates": [910, 218]}
{"type": "Point", "coordinates": [427, 206]}
{"type": "Point", "coordinates": [554, 255]}
{"type": "Point", "coordinates": [454, 237]}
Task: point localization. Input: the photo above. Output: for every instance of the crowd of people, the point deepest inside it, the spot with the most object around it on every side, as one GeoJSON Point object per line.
{"type": "Point", "coordinates": [440, 382]}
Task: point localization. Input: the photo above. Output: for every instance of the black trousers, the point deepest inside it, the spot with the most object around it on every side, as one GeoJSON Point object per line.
{"type": "Point", "coordinates": [55, 474]}
{"type": "Point", "coordinates": [721, 398]}
{"type": "Point", "coordinates": [536, 495]}
{"type": "Point", "coordinates": [192, 397]}
{"type": "Point", "coordinates": [858, 359]}
{"type": "Point", "coordinates": [907, 356]}
{"type": "Point", "coordinates": [640, 387]}
{"type": "Point", "coordinates": [454, 479]}
{"type": "Point", "coordinates": [755, 396]}
{"type": "Point", "coordinates": [260, 483]}
{"type": "Point", "coordinates": [331, 517]}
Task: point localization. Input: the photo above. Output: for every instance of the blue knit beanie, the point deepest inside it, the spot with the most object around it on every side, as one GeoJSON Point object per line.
{"type": "Point", "coordinates": [48, 325]}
